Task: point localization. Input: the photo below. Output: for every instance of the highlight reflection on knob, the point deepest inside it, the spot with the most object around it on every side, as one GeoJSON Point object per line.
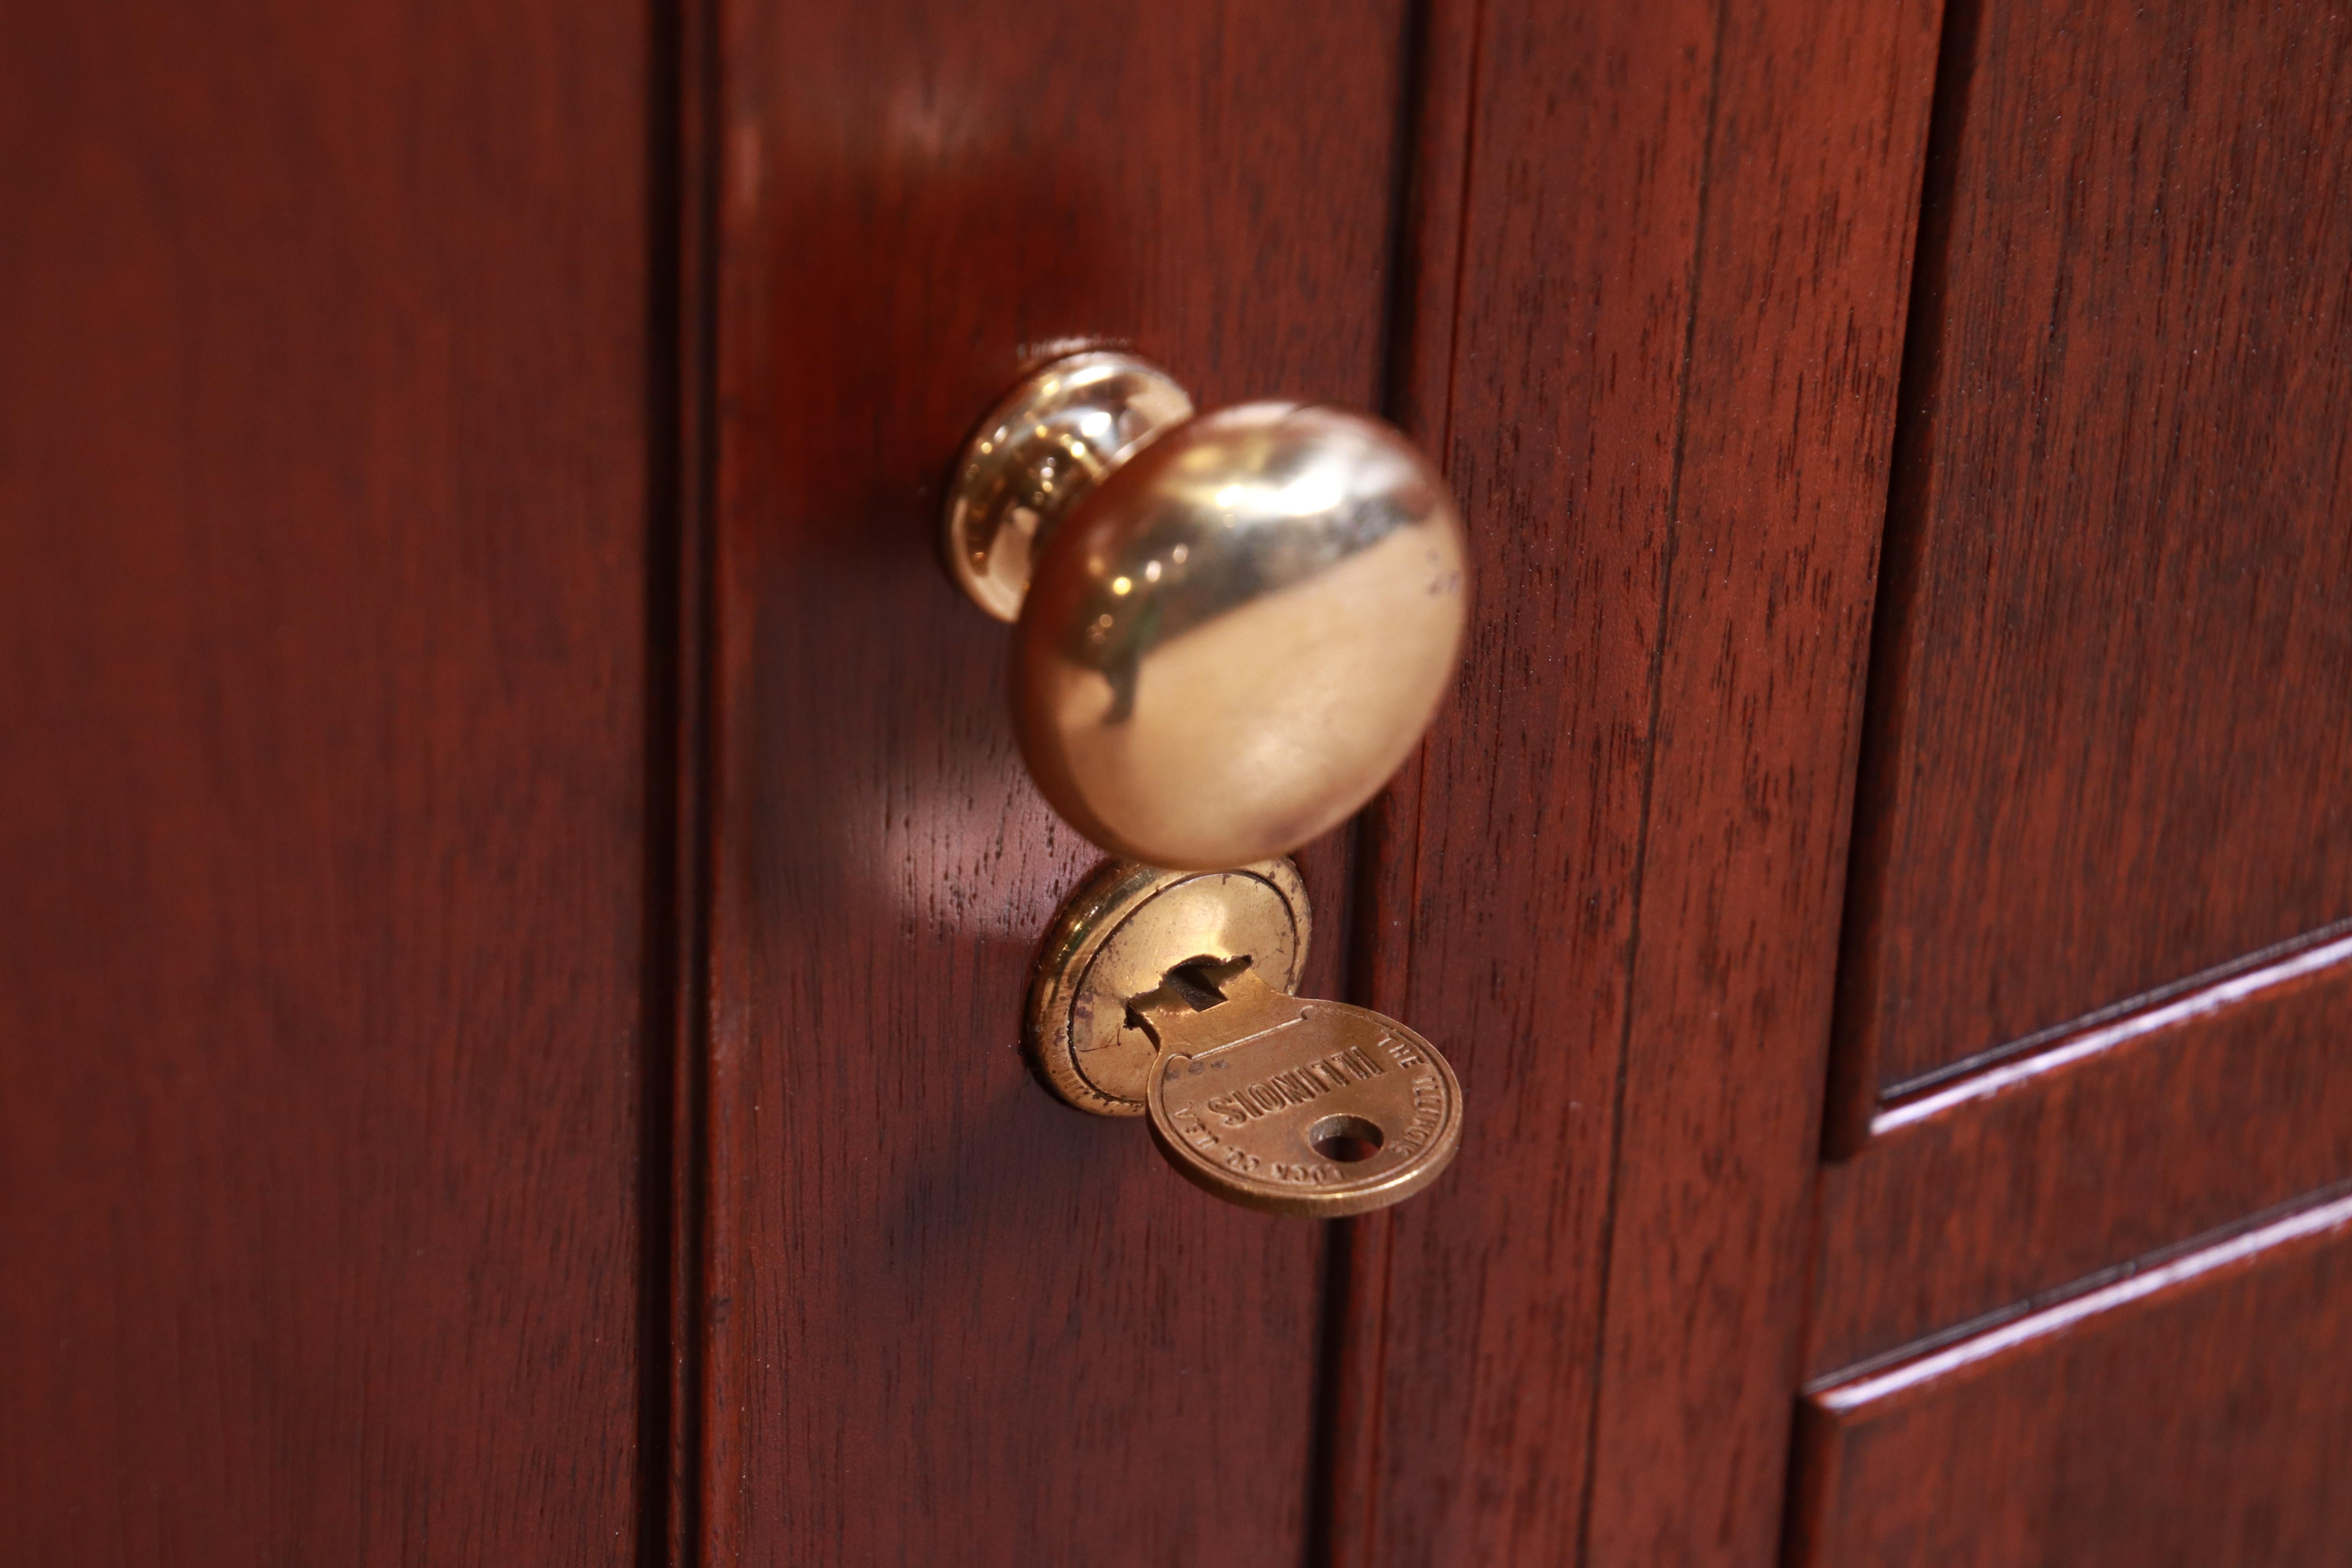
{"type": "Point", "coordinates": [1229, 629]}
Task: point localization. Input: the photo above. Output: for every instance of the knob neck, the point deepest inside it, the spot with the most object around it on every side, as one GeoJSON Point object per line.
{"type": "Point", "coordinates": [1038, 454]}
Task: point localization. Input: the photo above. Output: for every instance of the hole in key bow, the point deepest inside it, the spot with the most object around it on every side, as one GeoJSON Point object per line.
{"type": "Point", "coordinates": [1346, 1139]}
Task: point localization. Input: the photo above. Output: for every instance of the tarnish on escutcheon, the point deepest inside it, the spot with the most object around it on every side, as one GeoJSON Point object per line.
{"type": "Point", "coordinates": [1116, 937]}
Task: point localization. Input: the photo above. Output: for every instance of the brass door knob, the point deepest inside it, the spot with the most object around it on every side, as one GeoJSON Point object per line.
{"type": "Point", "coordinates": [1229, 628]}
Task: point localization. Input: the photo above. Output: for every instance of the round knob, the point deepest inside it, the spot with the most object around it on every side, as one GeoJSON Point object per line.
{"type": "Point", "coordinates": [1229, 629]}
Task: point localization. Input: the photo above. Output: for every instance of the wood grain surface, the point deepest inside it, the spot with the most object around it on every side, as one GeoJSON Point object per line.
{"type": "Point", "coordinates": [2100, 1148]}
{"type": "Point", "coordinates": [1663, 387]}
{"type": "Point", "coordinates": [324, 527]}
{"type": "Point", "coordinates": [2111, 710]}
{"type": "Point", "coordinates": [946, 1318]}
{"type": "Point", "coordinates": [2094, 983]}
{"type": "Point", "coordinates": [2192, 1413]}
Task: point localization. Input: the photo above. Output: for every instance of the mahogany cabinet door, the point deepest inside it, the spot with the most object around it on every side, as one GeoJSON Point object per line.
{"type": "Point", "coordinates": [2081, 1291]}
{"type": "Point", "coordinates": [1635, 274]}
{"type": "Point", "coordinates": [522, 886]}
{"type": "Point", "coordinates": [942, 1317]}
{"type": "Point", "coordinates": [325, 468]}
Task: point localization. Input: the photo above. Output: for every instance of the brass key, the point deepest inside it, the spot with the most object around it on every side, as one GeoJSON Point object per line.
{"type": "Point", "coordinates": [1165, 995]}
{"type": "Point", "coordinates": [1294, 1106]}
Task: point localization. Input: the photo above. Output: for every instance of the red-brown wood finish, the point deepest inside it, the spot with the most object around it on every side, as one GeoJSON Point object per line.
{"type": "Point", "coordinates": [2111, 712]}
{"type": "Point", "coordinates": [323, 511]}
{"type": "Point", "coordinates": [2094, 983]}
{"type": "Point", "coordinates": [2102, 1147]}
{"type": "Point", "coordinates": [946, 1318]}
{"type": "Point", "coordinates": [2192, 1414]}
{"type": "Point", "coordinates": [392, 791]}
{"type": "Point", "coordinates": [1663, 391]}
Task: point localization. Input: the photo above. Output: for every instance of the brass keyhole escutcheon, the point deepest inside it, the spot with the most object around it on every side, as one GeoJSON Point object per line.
{"type": "Point", "coordinates": [1167, 995]}
{"type": "Point", "coordinates": [1117, 938]}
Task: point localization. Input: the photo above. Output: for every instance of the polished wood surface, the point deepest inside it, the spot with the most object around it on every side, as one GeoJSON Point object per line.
{"type": "Point", "coordinates": [2095, 971]}
{"type": "Point", "coordinates": [2105, 1146]}
{"type": "Point", "coordinates": [522, 887]}
{"type": "Point", "coordinates": [323, 521]}
{"type": "Point", "coordinates": [1664, 399]}
{"type": "Point", "coordinates": [2111, 707]}
{"type": "Point", "coordinates": [945, 1318]}
{"type": "Point", "coordinates": [2194, 1413]}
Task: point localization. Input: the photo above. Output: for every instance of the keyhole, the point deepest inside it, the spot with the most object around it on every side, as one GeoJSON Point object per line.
{"type": "Point", "coordinates": [1346, 1139]}
{"type": "Point", "coordinates": [1201, 981]}
{"type": "Point", "coordinates": [1198, 983]}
